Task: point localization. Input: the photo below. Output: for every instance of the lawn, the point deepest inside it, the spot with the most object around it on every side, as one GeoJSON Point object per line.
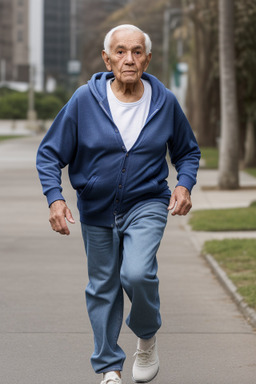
{"type": "Point", "coordinates": [210, 156]}
{"type": "Point", "coordinates": [8, 137]}
{"type": "Point", "coordinates": [237, 257]}
{"type": "Point", "coordinates": [234, 219]}
{"type": "Point", "coordinates": [251, 171]}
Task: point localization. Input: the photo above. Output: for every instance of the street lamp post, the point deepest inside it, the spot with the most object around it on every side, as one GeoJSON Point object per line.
{"type": "Point", "coordinates": [3, 71]}
{"type": "Point", "coordinates": [31, 115]}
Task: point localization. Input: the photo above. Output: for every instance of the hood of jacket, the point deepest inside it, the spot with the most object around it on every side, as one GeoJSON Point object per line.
{"type": "Point", "coordinates": [97, 85]}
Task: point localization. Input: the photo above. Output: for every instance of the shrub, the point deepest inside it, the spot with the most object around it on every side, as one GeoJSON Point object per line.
{"type": "Point", "coordinates": [14, 105]}
{"type": "Point", "coordinates": [48, 106]}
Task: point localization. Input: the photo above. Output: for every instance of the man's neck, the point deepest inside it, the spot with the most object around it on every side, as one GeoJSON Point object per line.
{"type": "Point", "coordinates": [128, 92]}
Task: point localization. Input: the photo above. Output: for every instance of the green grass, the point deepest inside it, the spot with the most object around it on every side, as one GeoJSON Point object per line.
{"type": "Point", "coordinates": [210, 156]}
{"type": "Point", "coordinates": [237, 257]}
{"type": "Point", "coordinates": [251, 171]}
{"type": "Point", "coordinates": [234, 219]}
{"type": "Point", "coordinates": [9, 137]}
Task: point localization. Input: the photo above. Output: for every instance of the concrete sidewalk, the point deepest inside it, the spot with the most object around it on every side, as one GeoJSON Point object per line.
{"type": "Point", "coordinates": [45, 335]}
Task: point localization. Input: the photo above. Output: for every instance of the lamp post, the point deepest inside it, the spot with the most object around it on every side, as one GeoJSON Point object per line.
{"type": "Point", "coordinates": [3, 71]}
{"type": "Point", "coordinates": [31, 115]}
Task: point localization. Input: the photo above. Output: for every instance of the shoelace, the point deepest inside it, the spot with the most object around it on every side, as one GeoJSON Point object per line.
{"type": "Point", "coordinates": [144, 357]}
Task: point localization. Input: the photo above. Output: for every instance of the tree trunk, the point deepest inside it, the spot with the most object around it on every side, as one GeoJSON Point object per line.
{"type": "Point", "coordinates": [229, 151]}
{"type": "Point", "coordinates": [250, 144]}
{"type": "Point", "coordinates": [202, 82]}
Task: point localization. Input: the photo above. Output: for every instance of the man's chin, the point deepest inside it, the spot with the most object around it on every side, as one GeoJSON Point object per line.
{"type": "Point", "coordinates": [130, 77]}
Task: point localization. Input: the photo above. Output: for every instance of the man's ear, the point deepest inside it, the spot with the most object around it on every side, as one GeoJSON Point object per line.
{"type": "Point", "coordinates": [106, 60]}
{"type": "Point", "coordinates": [149, 56]}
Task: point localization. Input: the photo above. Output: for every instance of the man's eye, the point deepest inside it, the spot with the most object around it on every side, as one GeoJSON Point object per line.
{"type": "Point", "coordinates": [120, 52]}
{"type": "Point", "coordinates": [138, 52]}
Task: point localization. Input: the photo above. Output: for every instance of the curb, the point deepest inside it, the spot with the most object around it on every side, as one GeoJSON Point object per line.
{"type": "Point", "coordinates": [249, 313]}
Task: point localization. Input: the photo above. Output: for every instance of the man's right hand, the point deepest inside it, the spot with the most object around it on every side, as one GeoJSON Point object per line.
{"type": "Point", "coordinates": [59, 212]}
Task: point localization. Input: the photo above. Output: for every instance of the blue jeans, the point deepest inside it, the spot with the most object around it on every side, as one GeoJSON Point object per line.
{"type": "Point", "coordinates": [123, 258]}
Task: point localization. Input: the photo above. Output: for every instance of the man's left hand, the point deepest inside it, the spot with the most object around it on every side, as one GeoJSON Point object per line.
{"type": "Point", "coordinates": [180, 201]}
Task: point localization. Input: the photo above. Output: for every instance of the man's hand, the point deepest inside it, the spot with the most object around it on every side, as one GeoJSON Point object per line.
{"type": "Point", "coordinates": [58, 213]}
{"type": "Point", "coordinates": [180, 201]}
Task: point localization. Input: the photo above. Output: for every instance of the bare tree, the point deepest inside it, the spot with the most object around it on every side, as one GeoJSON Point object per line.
{"type": "Point", "coordinates": [245, 45]}
{"type": "Point", "coordinates": [229, 148]}
{"type": "Point", "coordinates": [203, 94]}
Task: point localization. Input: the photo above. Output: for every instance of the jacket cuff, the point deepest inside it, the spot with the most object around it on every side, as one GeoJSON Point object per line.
{"type": "Point", "coordinates": [53, 195]}
{"type": "Point", "coordinates": [186, 182]}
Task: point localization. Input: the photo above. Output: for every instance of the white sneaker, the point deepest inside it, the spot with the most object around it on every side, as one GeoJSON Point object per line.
{"type": "Point", "coordinates": [146, 364]}
{"type": "Point", "coordinates": [111, 378]}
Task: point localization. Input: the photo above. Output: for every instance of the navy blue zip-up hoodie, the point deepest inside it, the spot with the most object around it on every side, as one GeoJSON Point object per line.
{"type": "Point", "coordinates": [109, 179]}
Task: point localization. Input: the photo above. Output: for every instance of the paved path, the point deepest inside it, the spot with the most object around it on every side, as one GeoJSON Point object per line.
{"type": "Point", "coordinates": [45, 336]}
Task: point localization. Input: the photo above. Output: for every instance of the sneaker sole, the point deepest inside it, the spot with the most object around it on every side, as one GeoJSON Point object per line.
{"type": "Point", "coordinates": [145, 381]}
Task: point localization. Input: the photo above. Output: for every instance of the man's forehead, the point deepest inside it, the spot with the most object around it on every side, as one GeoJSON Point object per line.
{"type": "Point", "coordinates": [124, 38]}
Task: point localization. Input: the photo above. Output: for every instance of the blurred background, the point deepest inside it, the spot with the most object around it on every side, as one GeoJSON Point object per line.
{"type": "Point", "coordinates": [205, 52]}
{"type": "Point", "coordinates": [50, 47]}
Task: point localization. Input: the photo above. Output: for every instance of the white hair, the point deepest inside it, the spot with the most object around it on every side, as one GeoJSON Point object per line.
{"type": "Point", "coordinates": [129, 27]}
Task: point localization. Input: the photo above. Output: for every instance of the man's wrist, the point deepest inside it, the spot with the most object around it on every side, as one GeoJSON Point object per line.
{"type": "Point", "coordinates": [57, 201]}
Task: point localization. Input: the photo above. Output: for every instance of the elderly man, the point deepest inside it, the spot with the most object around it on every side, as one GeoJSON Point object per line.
{"type": "Point", "coordinates": [113, 133]}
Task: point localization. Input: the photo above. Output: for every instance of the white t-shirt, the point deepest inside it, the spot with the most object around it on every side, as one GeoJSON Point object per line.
{"type": "Point", "coordinates": [130, 117]}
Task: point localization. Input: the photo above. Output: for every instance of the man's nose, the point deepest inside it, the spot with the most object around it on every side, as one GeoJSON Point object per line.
{"type": "Point", "coordinates": [129, 58]}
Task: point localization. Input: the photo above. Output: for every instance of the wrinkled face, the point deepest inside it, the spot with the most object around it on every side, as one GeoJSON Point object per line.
{"type": "Point", "coordinates": [127, 58]}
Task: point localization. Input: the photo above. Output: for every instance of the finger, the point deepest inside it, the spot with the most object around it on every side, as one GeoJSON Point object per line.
{"type": "Point", "coordinates": [69, 216]}
{"type": "Point", "coordinates": [183, 208]}
{"type": "Point", "coordinates": [63, 228]}
{"type": "Point", "coordinates": [65, 231]}
{"type": "Point", "coordinates": [59, 225]}
{"type": "Point", "coordinates": [179, 207]}
{"type": "Point", "coordinates": [188, 208]}
{"type": "Point", "coordinates": [172, 203]}
{"type": "Point", "coordinates": [176, 209]}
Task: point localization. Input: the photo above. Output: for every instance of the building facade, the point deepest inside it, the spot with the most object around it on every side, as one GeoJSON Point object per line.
{"type": "Point", "coordinates": [42, 41]}
{"type": "Point", "coordinates": [14, 40]}
{"type": "Point", "coordinates": [6, 59]}
{"type": "Point", "coordinates": [20, 38]}
{"type": "Point", "coordinates": [56, 40]}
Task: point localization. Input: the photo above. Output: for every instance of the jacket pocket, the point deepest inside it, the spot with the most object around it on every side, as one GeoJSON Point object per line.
{"type": "Point", "coordinates": [155, 185]}
{"type": "Point", "coordinates": [86, 190]}
{"type": "Point", "coordinates": [158, 186]}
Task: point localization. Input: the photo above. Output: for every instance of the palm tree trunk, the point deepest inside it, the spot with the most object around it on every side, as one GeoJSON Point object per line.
{"type": "Point", "coordinates": [229, 152]}
{"type": "Point", "coordinates": [250, 144]}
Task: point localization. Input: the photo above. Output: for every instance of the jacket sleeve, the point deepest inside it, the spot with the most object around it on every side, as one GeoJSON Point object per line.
{"type": "Point", "coordinates": [56, 151]}
{"type": "Point", "coordinates": [183, 149]}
